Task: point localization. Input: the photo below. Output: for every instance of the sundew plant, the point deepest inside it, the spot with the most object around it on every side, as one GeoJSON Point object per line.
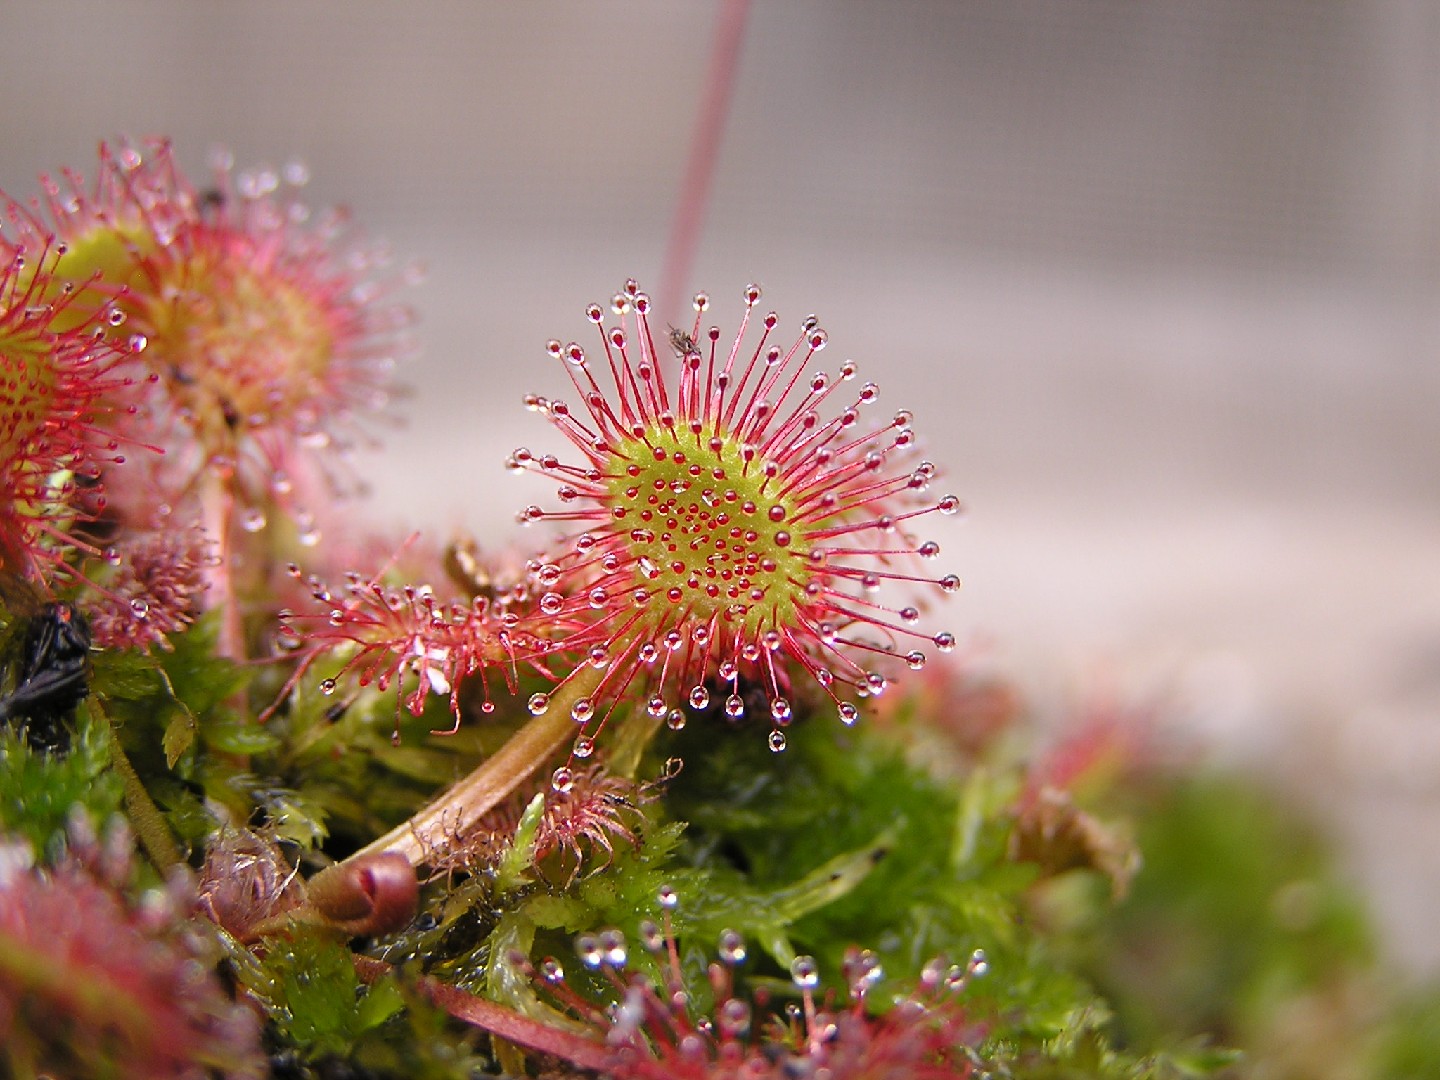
{"type": "Point", "coordinates": [689, 780]}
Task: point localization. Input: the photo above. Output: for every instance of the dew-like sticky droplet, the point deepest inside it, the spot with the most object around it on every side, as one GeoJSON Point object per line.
{"type": "Point", "coordinates": [587, 947]}
{"type": "Point", "coordinates": [612, 948]}
{"type": "Point", "coordinates": [733, 1017]}
{"type": "Point", "coordinates": [731, 948]}
{"type": "Point", "coordinates": [804, 972]}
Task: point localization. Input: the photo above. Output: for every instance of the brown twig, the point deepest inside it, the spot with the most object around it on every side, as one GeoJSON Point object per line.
{"type": "Point", "coordinates": [495, 779]}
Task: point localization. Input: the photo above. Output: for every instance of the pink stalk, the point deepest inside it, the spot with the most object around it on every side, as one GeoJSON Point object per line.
{"type": "Point", "coordinates": [218, 508]}
{"type": "Point", "coordinates": [500, 1021]}
{"type": "Point", "coordinates": [704, 152]}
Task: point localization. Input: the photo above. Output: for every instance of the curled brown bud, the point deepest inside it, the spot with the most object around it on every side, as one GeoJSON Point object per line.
{"type": "Point", "coordinates": [375, 894]}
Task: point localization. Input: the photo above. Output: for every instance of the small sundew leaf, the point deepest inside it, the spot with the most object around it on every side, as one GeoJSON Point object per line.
{"type": "Point", "coordinates": [804, 489]}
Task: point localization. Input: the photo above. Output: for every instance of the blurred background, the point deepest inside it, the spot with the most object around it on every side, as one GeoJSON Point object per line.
{"type": "Point", "coordinates": [1158, 281]}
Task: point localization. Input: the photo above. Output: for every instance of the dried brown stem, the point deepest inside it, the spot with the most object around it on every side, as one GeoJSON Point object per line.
{"type": "Point", "coordinates": [495, 779]}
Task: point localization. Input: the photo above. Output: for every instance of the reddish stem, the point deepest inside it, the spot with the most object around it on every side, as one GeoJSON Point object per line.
{"type": "Point", "coordinates": [704, 151]}
{"type": "Point", "coordinates": [498, 1020]}
{"type": "Point", "coordinates": [217, 501]}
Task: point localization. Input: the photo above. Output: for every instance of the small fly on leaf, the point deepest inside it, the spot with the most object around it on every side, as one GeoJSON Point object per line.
{"type": "Point", "coordinates": [682, 343]}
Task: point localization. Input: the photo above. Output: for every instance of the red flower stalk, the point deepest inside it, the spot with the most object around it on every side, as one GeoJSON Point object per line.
{"type": "Point", "coordinates": [62, 384]}
{"type": "Point", "coordinates": [732, 532]}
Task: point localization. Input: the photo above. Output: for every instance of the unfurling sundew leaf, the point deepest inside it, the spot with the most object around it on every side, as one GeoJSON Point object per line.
{"type": "Point", "coordinates": [519, 858]}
